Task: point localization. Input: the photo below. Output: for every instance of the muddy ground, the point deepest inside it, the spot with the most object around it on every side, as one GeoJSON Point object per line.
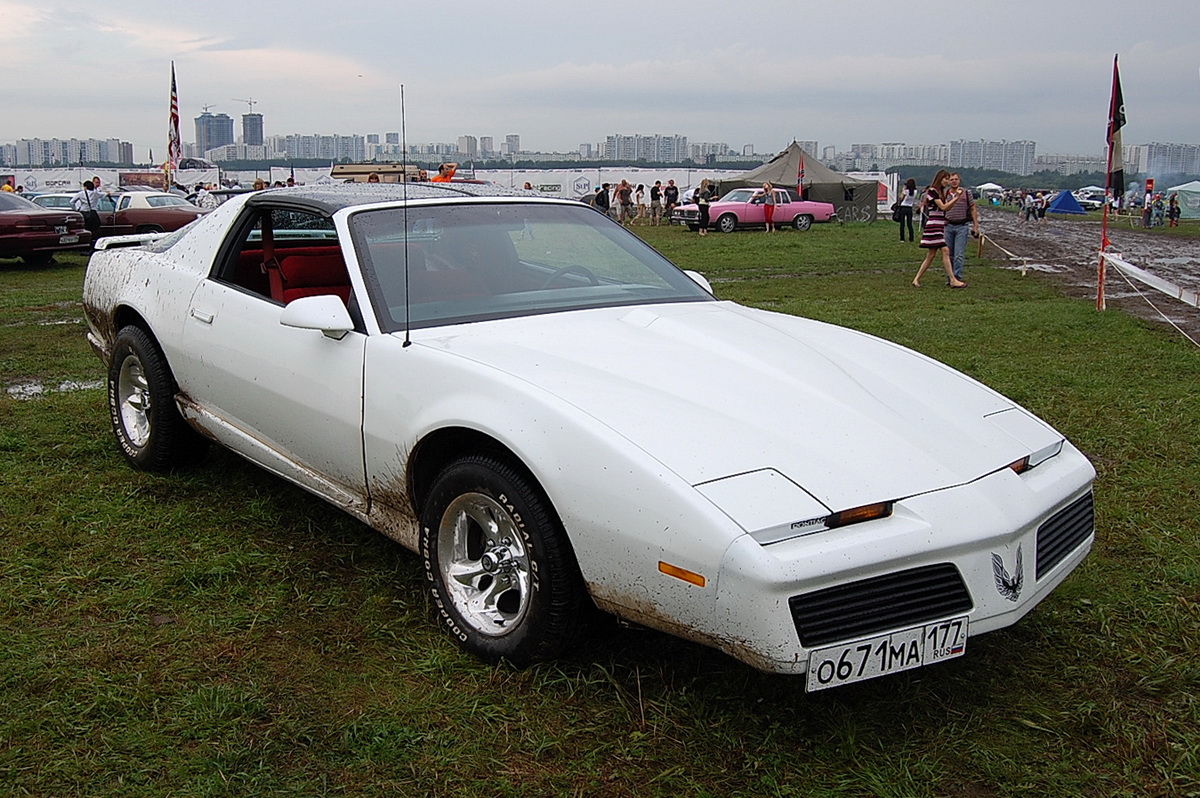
{"type": "Point", "coordinates": [1068, 249]}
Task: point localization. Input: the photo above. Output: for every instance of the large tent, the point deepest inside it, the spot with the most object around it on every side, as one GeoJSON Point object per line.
{"type": "Point", "coordinates": [1189, 199]}
{"type": "Point", "coordinates": [853, 199]}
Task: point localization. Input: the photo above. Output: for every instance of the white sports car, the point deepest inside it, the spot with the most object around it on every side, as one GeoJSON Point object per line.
{"type": "Point", "coordinates": [550, 413]}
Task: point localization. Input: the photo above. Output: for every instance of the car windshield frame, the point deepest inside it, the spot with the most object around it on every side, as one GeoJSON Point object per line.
{"type": "Point", "coordinates": [505, 260]}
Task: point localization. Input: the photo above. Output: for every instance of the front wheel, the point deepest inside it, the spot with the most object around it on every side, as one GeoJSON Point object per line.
{"type": "Point", "coordinates": [141, 404]}
{"type": "Point", "coordinates": [149, 228]}
{"type": "Point", "coordinates": [802, 222]}
{"type": "Point", "coordinates": [727, 223]}
{"type": "Point", "coordinates": [500, 571]}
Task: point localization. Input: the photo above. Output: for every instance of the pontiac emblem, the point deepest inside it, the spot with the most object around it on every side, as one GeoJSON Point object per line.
{"type": "Point", "coordinates": [1008, 585]}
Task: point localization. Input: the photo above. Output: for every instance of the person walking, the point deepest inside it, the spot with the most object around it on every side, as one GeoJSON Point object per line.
{"type": "Point", "coordinates": [670, 198]}
{"type": "Point", "coordinates": [1173, 211]}
{"type": "Point", "coordinates": [962, 213]}
{"type": "Point", "coordinates": [656, 207]}
{"type": "Point", "coordinates": [908, 200]}
{"type": "Point", "coordinates": [932, 237]}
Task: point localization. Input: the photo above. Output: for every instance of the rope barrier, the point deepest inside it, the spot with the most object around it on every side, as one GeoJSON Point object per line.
{"type": "Point", "coordinates": [1011, 256]}
{"type": "Point", "coordinates": [1127, 271]}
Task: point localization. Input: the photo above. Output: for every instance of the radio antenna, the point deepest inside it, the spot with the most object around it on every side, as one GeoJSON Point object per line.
{"type": "Point", "coordinates": [404, 182]}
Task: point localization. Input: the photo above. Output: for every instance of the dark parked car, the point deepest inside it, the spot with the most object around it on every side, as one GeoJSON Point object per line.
{"type": "Point", "coordinates": [34, 234]}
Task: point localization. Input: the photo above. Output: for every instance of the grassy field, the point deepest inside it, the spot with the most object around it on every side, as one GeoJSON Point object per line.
{"type": "Point", "coordinates": [221, 633]}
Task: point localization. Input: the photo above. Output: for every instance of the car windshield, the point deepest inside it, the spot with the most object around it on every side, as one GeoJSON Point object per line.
{"type": "Point", "coordinates": [167, 202]}
{"type": "Point", "coordinates": [738, 195]}
{"type": "Point", "coordinates": [472, 262]}
{"type": "Point", "coordinates": [13, 202]}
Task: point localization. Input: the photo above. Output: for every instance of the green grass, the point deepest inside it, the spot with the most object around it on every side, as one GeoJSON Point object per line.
{"type": "Point", "coordinates": [221, 633]}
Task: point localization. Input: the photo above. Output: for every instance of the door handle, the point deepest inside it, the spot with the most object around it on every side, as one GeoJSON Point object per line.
{"type": "Point", "coordinates": [202, 316]}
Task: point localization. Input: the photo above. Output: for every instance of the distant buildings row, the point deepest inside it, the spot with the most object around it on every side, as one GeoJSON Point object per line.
{"type": "Point", "coordinates": [215, 141]}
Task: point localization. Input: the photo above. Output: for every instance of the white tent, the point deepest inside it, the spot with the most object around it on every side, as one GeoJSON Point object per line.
{"type": "Point", "coordinates": [990, 187]}
{"type": "Point", "coordinates": [1189, 199]}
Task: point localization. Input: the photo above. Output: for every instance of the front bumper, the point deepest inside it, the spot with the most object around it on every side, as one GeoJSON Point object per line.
{"type": "Point", "coordinates": [933, 559]}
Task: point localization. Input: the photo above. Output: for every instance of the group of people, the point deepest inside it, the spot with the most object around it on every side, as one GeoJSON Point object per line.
{"type": "Point", "coordinates": [626, 202]}
{"type": "Point", "coordinates": [1156, 209]}
{"type": "Point", "coordinates": [950, 215]}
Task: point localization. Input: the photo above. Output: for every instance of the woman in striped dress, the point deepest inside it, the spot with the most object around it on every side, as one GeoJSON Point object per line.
{"type": "Point", "coordinates": [933, 235]}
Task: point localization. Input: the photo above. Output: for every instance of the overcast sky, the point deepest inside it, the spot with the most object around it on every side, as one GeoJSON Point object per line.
{"type": "Point", "coordinates": [559, 74]}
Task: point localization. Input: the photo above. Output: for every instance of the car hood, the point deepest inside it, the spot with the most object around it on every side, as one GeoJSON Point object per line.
{"type": "Point", "coordinates": [713, 389]}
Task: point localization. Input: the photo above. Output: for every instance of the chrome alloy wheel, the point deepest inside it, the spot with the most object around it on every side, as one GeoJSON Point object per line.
{"type": "Point", "coordinates": [133, 399]}
{"type": "Point", "coordinates": [485, 564]}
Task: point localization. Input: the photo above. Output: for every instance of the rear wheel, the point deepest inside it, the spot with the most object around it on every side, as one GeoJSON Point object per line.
{"type": "Point", "coordinates": [727, 223]}
{"type": "Point", "coordinates": [150, 228]}
{"type": "Point", "coordinates": [141, 404]}
{"type": "Point", "coordinates": [802, 222]}
{"type": "Point", "coordinates": [500, 570]}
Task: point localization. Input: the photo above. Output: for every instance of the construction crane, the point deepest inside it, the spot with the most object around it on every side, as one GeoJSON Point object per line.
{"type": "Point", "coordinates": [204, 108]}
{"type": "Point", "coordinates": [251, 103]}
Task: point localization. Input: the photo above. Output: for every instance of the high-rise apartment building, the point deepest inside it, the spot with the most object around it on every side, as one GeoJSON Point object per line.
{"type": "Point", "coordinates": [252, 130]}
{"type": "Point", "coordinates": [213, 130]}
{"type": "Point", "coordinates": [468, 146]}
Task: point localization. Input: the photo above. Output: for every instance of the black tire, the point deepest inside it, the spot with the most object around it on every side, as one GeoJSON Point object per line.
{"type": "Point", "coordinates": [37, 258]}
{"type": "Point", "coordinates": [517, 594]}
{"type": "Point", "coordinates": [693, 227]}
{"type": "Point", "coordinates": [727, 223]}
{"type": "Point", "coordinates": [141, 405]}
{"type": "Point", "coordinates": [149, 228]}
{"type": "Point", "coordinates": [802, 222]}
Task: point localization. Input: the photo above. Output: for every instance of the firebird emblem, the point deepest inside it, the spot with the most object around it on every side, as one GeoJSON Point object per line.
{"type": "Point", "coordinates": [1008, 586]}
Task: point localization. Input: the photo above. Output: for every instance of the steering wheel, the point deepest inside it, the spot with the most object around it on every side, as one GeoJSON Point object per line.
{"type": "Point", "coordinates": [572, 268]}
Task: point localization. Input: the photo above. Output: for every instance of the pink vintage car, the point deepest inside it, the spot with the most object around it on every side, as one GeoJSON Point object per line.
{"type": "Point", "coordinates": [741, 208]}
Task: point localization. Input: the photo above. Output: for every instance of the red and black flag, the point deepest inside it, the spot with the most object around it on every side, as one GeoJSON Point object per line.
{"type": "Point", "coordinates": [1116, 121]}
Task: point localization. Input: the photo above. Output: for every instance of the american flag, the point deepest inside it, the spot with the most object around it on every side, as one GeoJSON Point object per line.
{"type": "Point", "coordinates": [173, 143]}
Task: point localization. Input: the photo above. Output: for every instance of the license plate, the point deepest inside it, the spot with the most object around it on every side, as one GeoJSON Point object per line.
{"type": "Point", "coordinates": [878, 656]}
{"type": "Point", "coordinates": [68, 239]}
{"type": "Point", "coordinates": [60, 229]}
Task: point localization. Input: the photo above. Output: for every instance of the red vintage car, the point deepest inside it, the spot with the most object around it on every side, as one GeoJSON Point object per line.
{"type": "Point", "coordinates": [743, 207]}
{"type": "Point", "coordinates": [132, 212]}
{"type": "Point", "coordinates": [34, 234]}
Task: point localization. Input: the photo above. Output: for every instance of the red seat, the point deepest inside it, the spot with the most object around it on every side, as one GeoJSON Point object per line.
{"type": "Point", "coordinates": [313, 275]}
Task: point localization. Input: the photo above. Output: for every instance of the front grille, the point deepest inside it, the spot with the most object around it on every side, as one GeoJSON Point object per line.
{"type": "Point", "coordinates": [870, 606]}
{"type": "Point", "coordinates": [1064, 532]}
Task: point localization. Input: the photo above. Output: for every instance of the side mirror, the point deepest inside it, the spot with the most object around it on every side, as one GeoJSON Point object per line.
{"type": "Point", "coordinates": [699, 280]}
{"type": "Point", "coordinates": [326, 313]}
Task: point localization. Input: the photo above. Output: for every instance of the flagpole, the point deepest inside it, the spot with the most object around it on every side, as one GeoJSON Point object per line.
{"type": "Point", "coordinates": [1116, 119]}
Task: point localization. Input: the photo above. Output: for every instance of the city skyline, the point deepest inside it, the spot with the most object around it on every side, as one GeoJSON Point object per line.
{"type": "Point", "coordinates": [879, 72]}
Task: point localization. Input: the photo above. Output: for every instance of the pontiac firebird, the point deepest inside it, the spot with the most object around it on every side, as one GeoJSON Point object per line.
{"type": "Point", "coordinates": [550, 413]}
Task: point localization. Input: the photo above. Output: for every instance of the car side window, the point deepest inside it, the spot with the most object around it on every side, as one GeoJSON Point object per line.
{"type": "Point", "coordinates": [107, 204]}
{"type": "Point", "coordinates": [125, 201]}
{"type": "Point", "coordinates": [295, 254]}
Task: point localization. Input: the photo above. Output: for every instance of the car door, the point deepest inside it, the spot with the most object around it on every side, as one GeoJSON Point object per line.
{"type": "Point", "coordinates": [748, 208]}
{"type": "Point", "coordinates": [109, 225]}
{"type": "Point", "coordinates": [785, 209]}
{"type": "Point", "coordinates": [287, 398]}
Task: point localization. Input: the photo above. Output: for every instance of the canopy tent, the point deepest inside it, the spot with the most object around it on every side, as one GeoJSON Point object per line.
{"type": "Point", "coordinates": [1065, 202]}
{"type": "Point", "coordinates": [1090, 190]}
{"type": "Point", "coordinates": [853, 199]}
{"type": "Point", "coordinates": [990, 187]}
{"type": "Point", "coordinates": [1189, 199]}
